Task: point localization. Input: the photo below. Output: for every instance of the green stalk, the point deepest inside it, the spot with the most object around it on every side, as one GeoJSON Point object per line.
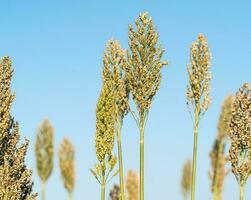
{"type": "Point", "coordinates": [43, 190]}
{"type": "Point", "coordinates": [70, 196]}
{"type": "Point", "coordinates": [142, 127]}
{"type": "Point", "coordinates": [103, 191]}
{"type": "Point", "coordinates": [242, 185]}
{"type": "Point", "coordinates": [196, 131]}
{"type": "Point", "coordinates": [121, 176]}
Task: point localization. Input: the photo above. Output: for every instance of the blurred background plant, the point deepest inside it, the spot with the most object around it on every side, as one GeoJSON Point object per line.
{"type": "Point", "coordinates": [44, 151]}
{"type": "Point", "coordinates": [67, 166]}
{"type": "Point", "coordinates": [218, 157]}
{"type": "Point", "coordinates": [186, 180]}
{"type": "Point", "coordinates": [115, 193]}
{"type": "Point", "coordinates": [132, 185]}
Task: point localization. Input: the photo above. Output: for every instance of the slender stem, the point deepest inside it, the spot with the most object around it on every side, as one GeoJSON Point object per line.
{"type": "Point", "coordinates": [142, 126]}
{"type": "Point", "coordinates": [103, 191]}
{"type": "Point", "coordinates": [242, 191]}
{"type": "Point", "coordinates": [121, 176]}
{"type": "Point", "coordinates": [196, 127]}
{"type": "Point", "coordinates": [42, 190]}
{"type": "Point", "coordinates": [70, 196]}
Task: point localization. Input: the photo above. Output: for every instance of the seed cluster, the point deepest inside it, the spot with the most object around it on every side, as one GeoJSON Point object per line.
{"type": "Point", "coordinates": [186, 179]}
{"type": "Point", "coordinates": [132, 185]}
{"type": "Point", "coordinates": [198, 90]}
{"type": "Point", "coordinates": [144, 62]}
{"type": "Point", "coordinates": [67, 164]}
{"type": "Point", "coordinates": [15, 178]}
{"type": "Point", "coordinates": [113, 60]}
{"type": "Point", "coordinates": [240, 134]}
{"type": "Point", "coordinates": [44, 150]}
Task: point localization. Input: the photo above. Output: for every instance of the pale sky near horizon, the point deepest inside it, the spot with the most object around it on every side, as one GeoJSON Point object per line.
{"type": "Point", "coordinates": [56, 48]}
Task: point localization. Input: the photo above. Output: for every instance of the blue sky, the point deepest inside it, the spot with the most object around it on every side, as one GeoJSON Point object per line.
{"type": "Point", "coordinates": [56, 48]}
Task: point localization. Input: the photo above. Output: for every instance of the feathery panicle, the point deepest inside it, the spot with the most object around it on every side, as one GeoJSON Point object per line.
{"type": "Point", "coordinates": [217, 155]}
{"type": "Point", "coordinates": [198, 90]}
{"type": "Point", "coordinates": [143, 72]}
{"type": "Point", "coordinates": [132, 185]}
{"type": "Point", "coordinates": [15, 178]}
{"type": "Point", "coordinates": [186, 179]}
{"type": "Point", "coordinates": [115, 193]}
{"type": "Point", "coordinates": [113, 61]}
{"type": "Point", "coordinates": [240, 135]}
{"type": "Point", "coordinates": [44, 150]}
{"type": "Point", "coordinates": [104, 138]}
{"type": "Point", "coordinates": [67, 164]}
{"type": "Point", "coordinates": [144, 62]}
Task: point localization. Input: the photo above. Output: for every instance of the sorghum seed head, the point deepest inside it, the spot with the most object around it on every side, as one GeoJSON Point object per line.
{"type": "Point", "coordinates": [240, 134]}
{"type": "Point", "coordinates": [144, 62]}
{"type": "Point", "coordinates": [198, 89]}
{"type": "Point", "coordinates": [67, 164]}
{"type": "Point", "coordinates": [105, 120]}
{"type": "Point", "coordinates": [132, 185]}
{"type": "Point", "coordinates": [113, 60]}
{"type": "Point", "coordinates": [44, 150]}
{"type": "Point", "coordinates": [15, 178]}
{"type": "Point", "coordinates": [186, 179]}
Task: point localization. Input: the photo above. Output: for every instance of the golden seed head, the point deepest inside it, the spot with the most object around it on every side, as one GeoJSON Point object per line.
{"type": "Point", "coordinates": [15, 178]}
{"type": "Point", "coordinates": [132, 185]}
{"type": "Point", "coordinates": [224, 119]}
{"type": "Point", "coordinates": [113, 60]}
{"type": "Point", "coordinates": [67, 164]}
{"type": "Point", "coordinates": [44, 150]}
{"type": "Point", "coordinates": [186, 179]}
{"type": "Point", "coordinates": [144, 62]}
{"type": "Point", "coordinates": [240, 134]}
{"type": "Point", "coordinates": [198, 89]}
{"type": "Point", "coordinates": [115, 193]}
{"type": "Point", "coordinates": [105, 120]}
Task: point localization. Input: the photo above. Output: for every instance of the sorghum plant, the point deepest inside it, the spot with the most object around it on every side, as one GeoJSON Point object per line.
{"type": "Point", "coordinates": [217, 155]}
{"type": "Point", "coordinates": [44, 151]}
{"type": "Point", "coordinates": [115, 193]}
{"type": "Point", "coordinates": [240, 134]}
{"type": "Point", "coordinates": [67, 165]}
{"type": "Point", "coordinates": [198, 89]}
{"type": "Point", "coordinates": [186, 179]}
{"type": "Point", "coordinates": [114, 58]}
{"type": "Point", "coordinates": [143, 71]}
{"type": "Point", "coordinates": [15, 178]}
{"type": "Point", "coordinates": [132, 185]}
{"type": "Point", "coordinates": [104, 139]}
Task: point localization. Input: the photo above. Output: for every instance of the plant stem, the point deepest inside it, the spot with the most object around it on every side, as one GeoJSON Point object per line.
{"type": "Point", "coordinates": [142, 127]}
{"type": "Point", "coordinates": [242, 191]}
{"type": "Point", "coordinates": [43, 190]}
{"type": "Point", "coordinates": [196, 130]}
{"type": "Point", "coordinates": [121, 176]}
{"type": "Point", "coordinates": [70, 196]}
{"type": "Point", "coordinates": [103, 191]}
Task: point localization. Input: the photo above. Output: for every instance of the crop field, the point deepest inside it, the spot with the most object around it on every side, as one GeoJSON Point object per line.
{"type": "Point", "coordinates": [109, 100]}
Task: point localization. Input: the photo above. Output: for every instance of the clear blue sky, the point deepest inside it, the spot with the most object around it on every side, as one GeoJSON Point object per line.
{"type": "Point", "coordinates": [56, 48]}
